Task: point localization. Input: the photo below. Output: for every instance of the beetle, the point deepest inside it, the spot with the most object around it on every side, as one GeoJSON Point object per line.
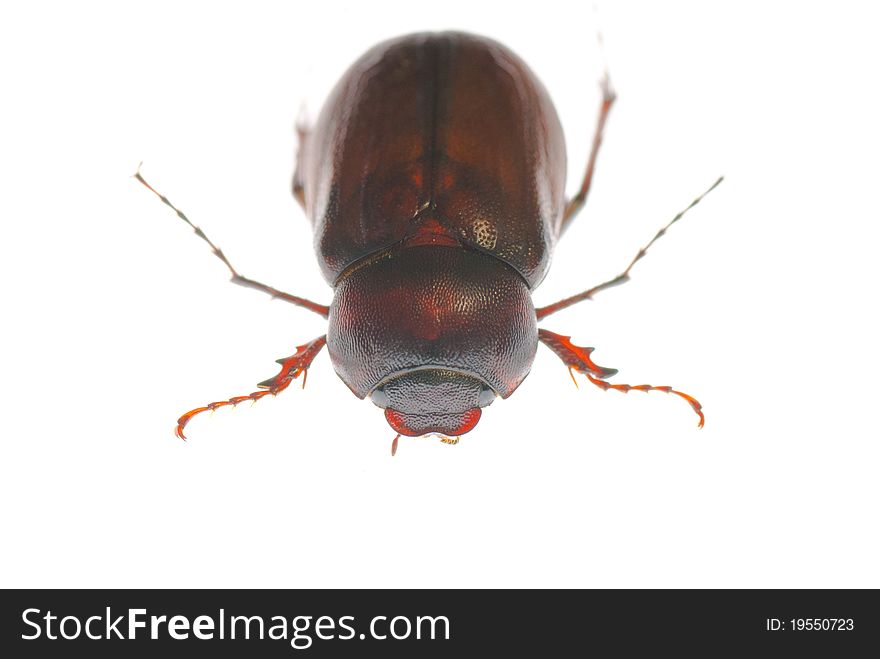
{"type": "Point", "coordinates": [434, 179]}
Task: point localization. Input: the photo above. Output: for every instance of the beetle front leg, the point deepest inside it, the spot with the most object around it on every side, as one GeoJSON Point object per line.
{"type": "Point", "coordinates": [578, 358]}
{"type": "Point", "coordinates": [291, 368]}
{"type": "Point", "coordinates": [320, 309]}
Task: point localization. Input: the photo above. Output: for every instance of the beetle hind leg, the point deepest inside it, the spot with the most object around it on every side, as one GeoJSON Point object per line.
{"type": "Point", "coordinates": [302, 133]}
{"type": "Point", "coordinates": [574, 205]}
{"type": "Point", "coordinates": [577, 358]}
{"type": "Point", "coordinates": [291, 368]}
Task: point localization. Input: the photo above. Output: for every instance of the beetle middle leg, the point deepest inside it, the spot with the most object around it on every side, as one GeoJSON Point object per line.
{"type": "Point", "coordinates": [623, 277]}
{"type": "Point", "coordinates": [320, 309]}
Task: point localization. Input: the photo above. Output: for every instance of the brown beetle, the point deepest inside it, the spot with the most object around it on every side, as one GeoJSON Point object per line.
{"type": "Point", "coordinates": [434, 179]}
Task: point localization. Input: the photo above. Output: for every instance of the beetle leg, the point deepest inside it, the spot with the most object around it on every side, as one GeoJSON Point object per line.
{"type": "Point", "coordinates": [321, 309]}
{"type": "Point", "coordinates": [576, 203]}
{"type": "Point", "coordinates": [623, 277]}
{"type": "Point", "coordinates": [575, 357]}
{"type": "Point", "coordinates": [302, 133]}
{"type": "Point", "coordinates": [578, 358]}
{"type": "Point", "coordinates": [291, 368]}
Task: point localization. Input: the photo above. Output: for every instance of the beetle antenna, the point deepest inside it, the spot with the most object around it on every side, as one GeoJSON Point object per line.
{"type": "Point", "coordinates": [291, 368]}
{"type": "Point", "coordinates": [320, 309]}
{"type": "Point", "coordinates": [623, 277]}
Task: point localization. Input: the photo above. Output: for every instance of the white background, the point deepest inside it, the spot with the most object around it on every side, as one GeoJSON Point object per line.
{"type": "Point", "coordinates": [761, 303]}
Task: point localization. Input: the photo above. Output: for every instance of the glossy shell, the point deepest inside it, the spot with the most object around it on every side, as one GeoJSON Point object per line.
{"type": "Point", "coordinates": [432, 306]}
{"type": "Point", "coordinates": [436, 139]}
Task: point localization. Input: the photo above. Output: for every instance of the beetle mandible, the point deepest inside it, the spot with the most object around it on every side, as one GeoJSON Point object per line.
{"type": "Point", "coordinates": [434, 179]}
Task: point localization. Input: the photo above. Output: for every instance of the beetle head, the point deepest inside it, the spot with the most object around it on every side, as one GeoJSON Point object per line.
{"type": "Point", "coordinates": [433, 400]}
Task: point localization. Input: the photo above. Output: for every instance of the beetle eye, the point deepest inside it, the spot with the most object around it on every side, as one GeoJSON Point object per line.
{"type": "Point", "coordinates": [379, 397]}
{"type": "Point", "coordinates": [486, 397]}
